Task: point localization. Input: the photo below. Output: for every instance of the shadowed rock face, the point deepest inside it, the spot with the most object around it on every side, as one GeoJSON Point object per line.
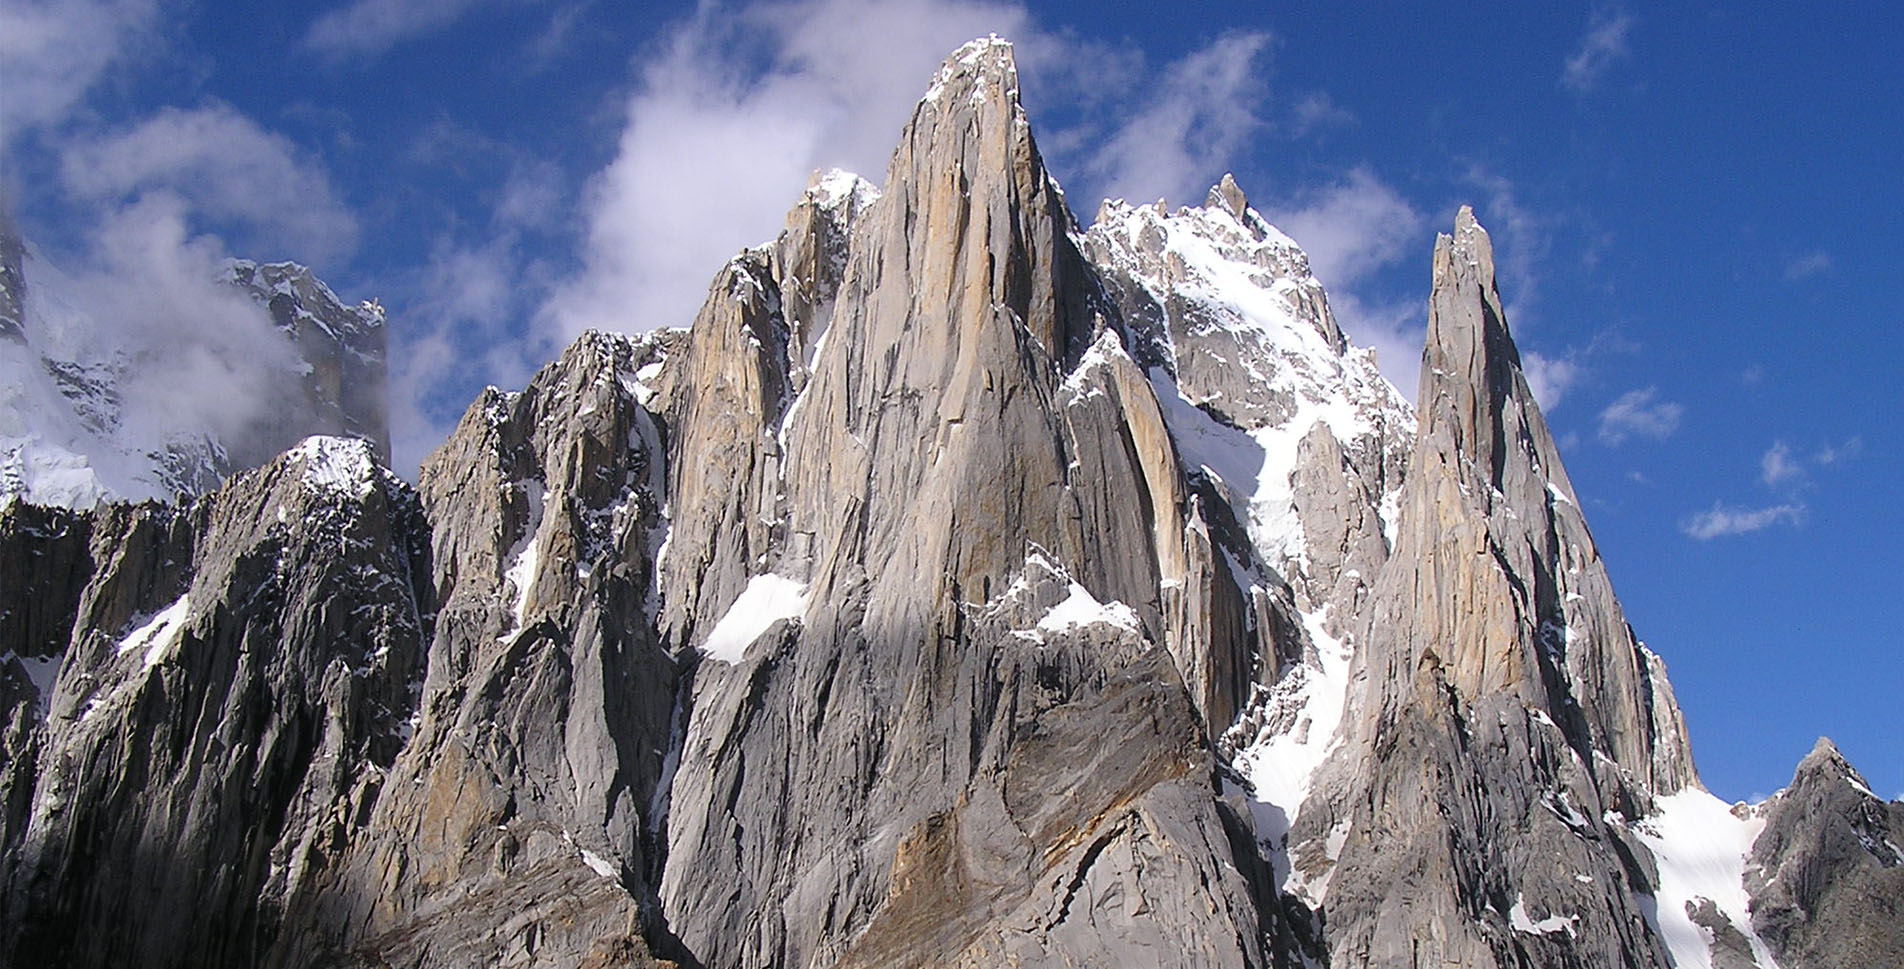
{"type": "Point", "coordinates": [930, 601]}
{"type": "Point", "coordinates": [232, 689]}
{"type": "Point", "coordinates": [1827, 872]}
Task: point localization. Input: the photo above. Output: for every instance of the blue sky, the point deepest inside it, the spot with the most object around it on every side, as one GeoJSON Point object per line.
{"type": "Point", "coordinates": [1697, 208]}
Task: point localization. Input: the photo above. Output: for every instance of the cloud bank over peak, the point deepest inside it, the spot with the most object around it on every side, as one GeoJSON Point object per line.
{"type": "Point", "coordinates": [715, 147]}
{"type": "Point", "coordinates": [733, 110]}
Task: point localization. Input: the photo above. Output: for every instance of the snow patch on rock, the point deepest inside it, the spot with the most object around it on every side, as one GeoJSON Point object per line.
{"type": "Point", "coordinates": [159, 634]}
{"type": "Point", "coordinates": [766, 600]}
{"type": "Point", "coordinates": [1701, 845]}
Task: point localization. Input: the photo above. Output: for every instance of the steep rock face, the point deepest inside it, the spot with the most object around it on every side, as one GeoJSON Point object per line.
{"type": "Point", "coordinates": [1826, 874]}
{"type": "Point", "coordinates": [12, 280]}
{"type": "Point", "coordinates": [747, 354]}
{"type": "Point", "coordinates": [516, 825]}
{"type": "Point", "coordinates": [972, 449]}
{"type": "Point", "coordinates": [960, 589]}
{"type": "Point", "coordinates": [342, 349]}
{"type": "Point", "coordinates": [1507, 720]}
{"type": "Point", "coordinates": [234, 685]}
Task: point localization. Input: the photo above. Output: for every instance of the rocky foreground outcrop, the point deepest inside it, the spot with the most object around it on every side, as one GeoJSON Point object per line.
{"type": "Point", "coordinates": [962, 588]}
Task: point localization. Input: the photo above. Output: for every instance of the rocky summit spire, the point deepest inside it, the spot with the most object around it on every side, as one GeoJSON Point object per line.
{"type": "Point", "coordinates": [959, 590]}
{"type": "Point", "coordinates": [1827, 870]}
{"type": "Point", "coordinates": [972, 448]}
{"type": "Point", "coordinates": [964, 299]}
{"type": "Point", "coordinates": [1494, 641]}
{"type": "Point", "coordinates": [1470, 365]}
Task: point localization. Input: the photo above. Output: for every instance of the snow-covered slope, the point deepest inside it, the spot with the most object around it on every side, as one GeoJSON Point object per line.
{"type": "Point", "coordinates": [1296, 429]}
{"type": "Point", "coordinates": [1701, 845]}
{"type": "Point", "coordinates": [1247, 359]}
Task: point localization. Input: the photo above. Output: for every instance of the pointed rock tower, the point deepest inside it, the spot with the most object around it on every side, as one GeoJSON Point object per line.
{"type": "Point", "coordinates": [1506, 719]}
{"type": "Point", "coordinates": [952, 701]}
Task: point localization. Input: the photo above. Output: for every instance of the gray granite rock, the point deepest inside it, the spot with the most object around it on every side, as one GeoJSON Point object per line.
{"type": "Point", "coordinates": [230, 694]}
{"type": "Point", "coordinates": [1826, 878]}
{"type": "Point", "coordinates": [1506, 717]}
{"type": "Point", "coordinates": [921, 604]}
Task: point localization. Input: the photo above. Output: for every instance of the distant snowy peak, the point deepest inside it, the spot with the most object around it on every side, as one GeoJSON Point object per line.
{"type": "Point", "coordinates": [299, 301]}
{"type": "Point", "coordinates": [1237, 333]}
{"type": "Point", "coordinates": [86, 418]}
{"type": "Point", "coordinates": [1234, 312]}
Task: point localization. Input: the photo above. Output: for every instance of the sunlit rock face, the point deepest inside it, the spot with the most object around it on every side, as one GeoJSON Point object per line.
{"type": "Point", "coordinates": [961, 587]}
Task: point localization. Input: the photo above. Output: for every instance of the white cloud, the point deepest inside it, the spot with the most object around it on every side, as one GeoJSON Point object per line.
{"type": "Point", "coordinates": [1723, 520]}
{"type": "Point", "coordinates": [51, 53]}
{"type": "Point", "coordinates": [229, 169]}
{"type": "Point", "coordinates": [198, 356]}
{"type": "Point", "coordinates": [1808, 265]}
{"type": "Point", "coordinates": [1202, 110]}
{"type": "Point", "coordinates": [1831, 454]}
{"type": "Point", "coordinates": [714, 152]}
{"type": "Point", "coordinates": [1604, 44]}
{"type": "Point", "coordinates": [1318, 110]}
{"type": "Point", "coordinates": [460, 330]}
{"type": "Point", "coordinates": [371, 27]}
{"type": "Point", "coordinates": [1639, 413]}
{"type": "Point", "coordinates": [1353, 227]}
{"type": "Point", "coordinates": [1549, 377]}
{"type": "Point", "coordinates": [1777, 468]}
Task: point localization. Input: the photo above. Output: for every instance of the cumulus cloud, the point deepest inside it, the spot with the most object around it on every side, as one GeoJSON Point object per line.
{"type": "Point", "coordinates": [1549, 377]}
{"type": "Point", "coordinates": [1777, 468]}
{"type": "Point", "coordinates": [1724, 520]}
{"type": "Point", "coordinates": [1604, 44]}
{"type": "Point", "coordinates": [52, 52]}
{"type": "Point", "coordinates": [1808, 265]}
{"type": "Point", "coordinates": [1639, 413]}
{"type": "Point", "coordinates": [228, 168]}
{"type": "Point", "coordinates": [714, 149]}
{"type": "Point", "coordinates": [1201, 111]}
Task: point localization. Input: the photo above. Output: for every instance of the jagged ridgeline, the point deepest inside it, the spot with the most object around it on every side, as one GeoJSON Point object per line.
{"type": "Point", "coordinates": [961, 588]}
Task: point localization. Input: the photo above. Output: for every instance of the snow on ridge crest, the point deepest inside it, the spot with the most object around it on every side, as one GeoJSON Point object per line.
{"type": "Point", "coordinates": [972, 58]}
{"type": "Point", "coordinates": [833, 186]}
{"type": "Point", "coordinates": [336, 465]}
{"type": "Point", "coordinates": [1251, 358]}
